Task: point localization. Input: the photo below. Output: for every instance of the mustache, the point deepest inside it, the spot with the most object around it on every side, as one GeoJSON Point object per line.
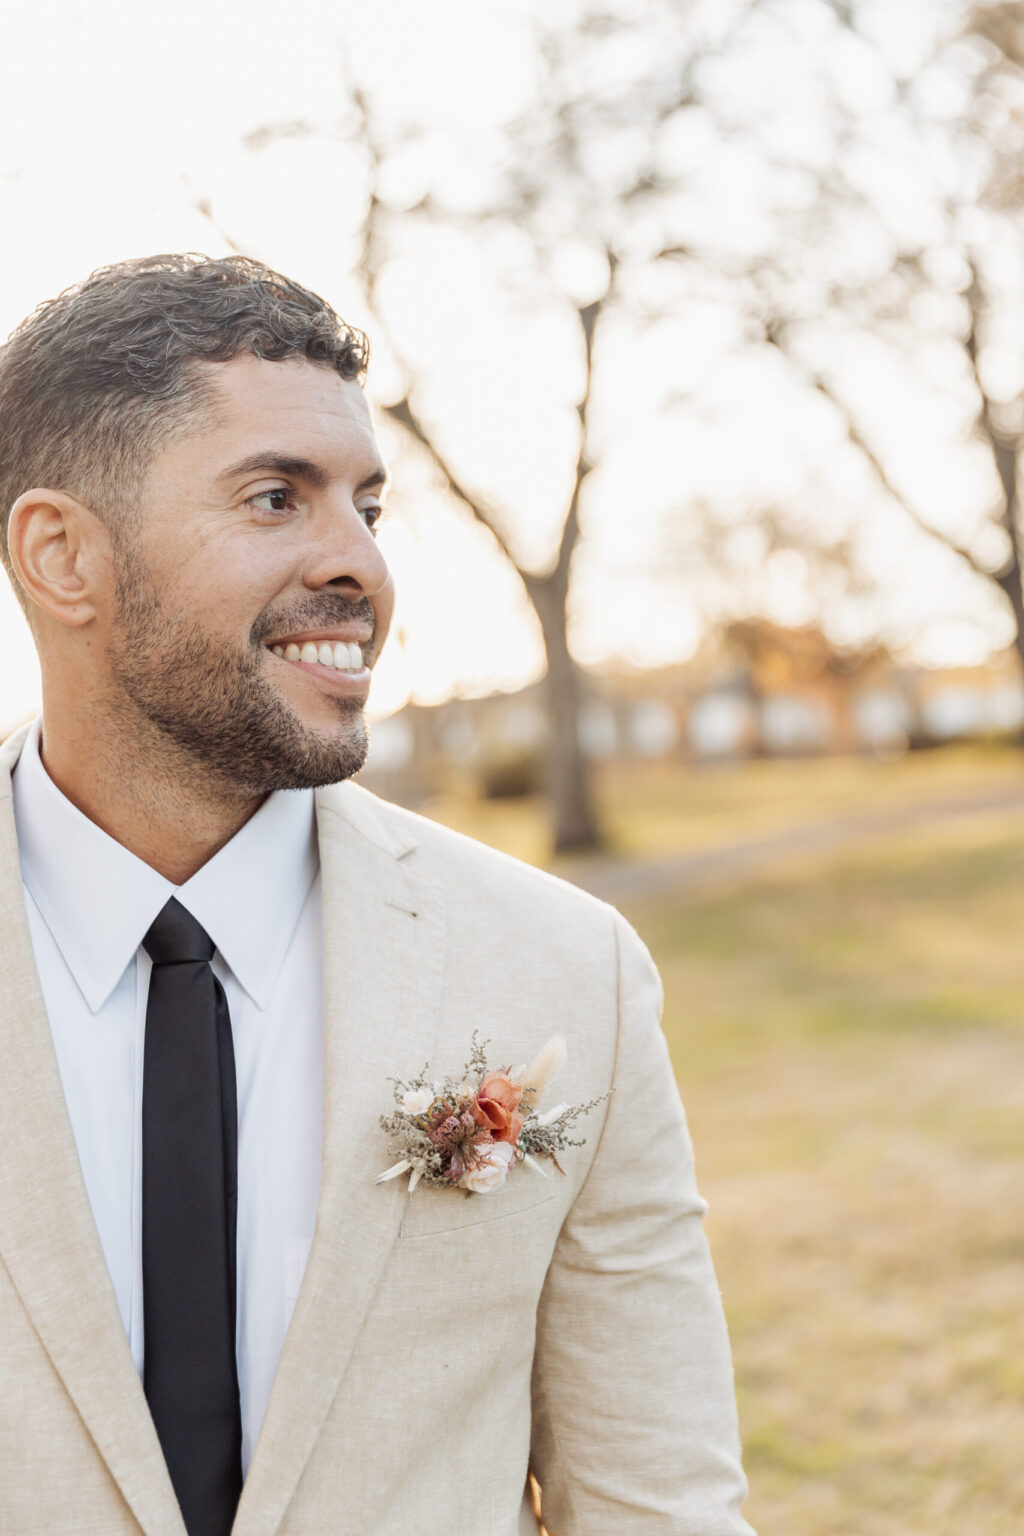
{"type": "Point", "coordinates": [320, 612]}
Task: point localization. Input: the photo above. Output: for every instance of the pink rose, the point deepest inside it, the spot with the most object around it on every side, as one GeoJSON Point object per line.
{"type": "Point", "coordinates": [496, 1107]}
{"type": "Point", "coordinates": [489, 1169]}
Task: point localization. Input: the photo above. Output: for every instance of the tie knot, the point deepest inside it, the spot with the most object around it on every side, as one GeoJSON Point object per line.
{"type": "Point", "coordinates": [175, 936]}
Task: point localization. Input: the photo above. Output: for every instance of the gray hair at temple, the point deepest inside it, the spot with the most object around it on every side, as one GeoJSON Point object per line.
{"type": "Point", "coordinates": [96, 380]}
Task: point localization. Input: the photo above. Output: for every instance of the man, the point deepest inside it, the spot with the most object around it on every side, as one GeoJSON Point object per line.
{"type": "Point", "coordinates": [216, 956]}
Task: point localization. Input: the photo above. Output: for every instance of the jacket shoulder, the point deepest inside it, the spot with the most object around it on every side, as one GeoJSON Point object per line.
{"type": "Point", "coordinates": [468, 868]}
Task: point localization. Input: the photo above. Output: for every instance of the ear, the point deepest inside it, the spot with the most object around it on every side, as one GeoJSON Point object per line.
{"type": "Point", "coordinates": [60, 551]}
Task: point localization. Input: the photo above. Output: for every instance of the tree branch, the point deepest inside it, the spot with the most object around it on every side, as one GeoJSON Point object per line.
{"type": "Point", "coordinates": [404, 414]}
{"type": "Point", "coordinates": [204, 207]}
{"type": "Point", "coordinates": [589, 315]}
{"type": "Point", "coordinates": [1004, 450]}
{"type": "Point", "coordinates": [860, 442]}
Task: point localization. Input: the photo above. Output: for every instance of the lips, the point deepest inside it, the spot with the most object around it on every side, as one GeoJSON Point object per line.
{"type": "Point", "coordinates": [335, 666]}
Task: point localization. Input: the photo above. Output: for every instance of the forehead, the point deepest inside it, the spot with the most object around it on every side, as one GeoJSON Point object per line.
{"type": "Point", "coordinates": [292, 406]}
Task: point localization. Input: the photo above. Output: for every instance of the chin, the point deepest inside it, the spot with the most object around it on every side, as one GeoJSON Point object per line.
{"type": "Point", "coordinates": [325, 756]}
{"type": "Point", "coordinates": [281, 748]}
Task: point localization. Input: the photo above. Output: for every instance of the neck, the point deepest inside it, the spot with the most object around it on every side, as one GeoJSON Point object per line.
{"type": "Point", "coordinates": [149, 796]}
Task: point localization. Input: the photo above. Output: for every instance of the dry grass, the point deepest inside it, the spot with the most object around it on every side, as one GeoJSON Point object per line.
{"type": "Point", "coordinates": [654, 808]}
{"type": "Point", "coordinates": [849, 1039]}
{"type": "Point", "coordinates": [850, 1044]}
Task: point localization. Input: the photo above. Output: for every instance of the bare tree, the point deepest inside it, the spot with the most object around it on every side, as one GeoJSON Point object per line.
{"type": "Point", "coordinates": [587, 163]}
{"type": "Point", "coordinates": [594, 161]}
{"type": "Point", "coordinates": [982, 231]}
{"type": "Point", "coordinates": [569, 779]}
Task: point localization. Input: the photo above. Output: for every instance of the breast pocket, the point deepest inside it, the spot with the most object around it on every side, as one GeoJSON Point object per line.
{"type": "Point", "coordinates": [432, 1209]}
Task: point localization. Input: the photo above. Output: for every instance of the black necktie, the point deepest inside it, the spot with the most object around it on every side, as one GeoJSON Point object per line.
{"type": "Point", "coordinates": [189, 1204]}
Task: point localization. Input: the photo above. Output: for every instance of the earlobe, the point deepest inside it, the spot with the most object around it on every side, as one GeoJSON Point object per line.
{"type": "Point", "coordinates": [58, 547]}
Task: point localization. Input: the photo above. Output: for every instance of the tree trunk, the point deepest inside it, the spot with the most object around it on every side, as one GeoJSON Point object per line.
{"type": "Point", "coordinates": [1006, 452]}
{"type": "Point", "coordinates": [1010, 582]}
{"type": "Point", "coordinates": [1018, 642]}
{"type": "Point", "coordinates": [568, 767]}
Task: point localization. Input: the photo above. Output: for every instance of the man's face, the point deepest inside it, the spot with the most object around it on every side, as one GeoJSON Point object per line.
{"type": "Point", "coordinates": [253, 544]}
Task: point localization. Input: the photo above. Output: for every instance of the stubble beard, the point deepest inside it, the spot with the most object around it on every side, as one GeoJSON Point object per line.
{"type": "Point", "coordinates": [215, 709]}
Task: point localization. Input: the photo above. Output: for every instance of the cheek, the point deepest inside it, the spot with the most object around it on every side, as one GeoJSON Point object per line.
{"type": "Point", "coordinates": [227, 589]}
{"type": "Point", "coordinates": [383, 604]}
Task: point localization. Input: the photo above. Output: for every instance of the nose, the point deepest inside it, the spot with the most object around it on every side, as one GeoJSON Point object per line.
{"type": "Point", "coordinates": [346, 558]}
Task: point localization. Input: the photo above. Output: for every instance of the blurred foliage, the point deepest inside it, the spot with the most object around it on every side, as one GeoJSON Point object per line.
{"type": "Point", "coordinates": [512, 776]}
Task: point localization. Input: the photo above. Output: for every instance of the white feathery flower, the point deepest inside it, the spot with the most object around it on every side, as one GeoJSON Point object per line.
{"type": "Point", "coordinates": [393, 1171]}
{"type": "Point", "coordinates": [551, 1115]}
{"type": "Point", "coordinates": [417, 1100]}
{"type": "Point", "coordinates": [547, 1065]}
{"type": "Point", "coordinates": [415, 1177]}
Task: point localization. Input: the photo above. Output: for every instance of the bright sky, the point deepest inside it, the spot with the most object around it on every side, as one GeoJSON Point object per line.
{"type": "Point", "coordinates": [121, 116]}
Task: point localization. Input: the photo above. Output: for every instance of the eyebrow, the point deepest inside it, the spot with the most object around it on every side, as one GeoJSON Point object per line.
{"type": "Point", "coordinates": [297, 469]}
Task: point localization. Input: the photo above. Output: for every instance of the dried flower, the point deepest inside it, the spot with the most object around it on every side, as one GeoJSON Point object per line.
{"type": "Point", "coordinates": [417, 1100]}
{"type": "Point", "coordinates": [546, 1066]}
{"type": "Point", "coordinates": [496, 1107]}
{"type": "Point", "coordinates": [393, 1171]}
{"type": "Point", "coordinates": [489, 1170]}
{"type": "Point", "coordinates": [472, 1131]}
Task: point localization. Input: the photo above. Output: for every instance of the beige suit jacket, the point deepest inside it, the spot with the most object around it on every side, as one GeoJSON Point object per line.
{"type": "Point", "coordinates": [442, 1343]}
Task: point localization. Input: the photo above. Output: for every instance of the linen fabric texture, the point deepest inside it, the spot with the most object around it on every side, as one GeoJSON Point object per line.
{"type": "Point", "coordinates": [89, 903]}
{"type": "Point", "coordinates": [442, 1344]}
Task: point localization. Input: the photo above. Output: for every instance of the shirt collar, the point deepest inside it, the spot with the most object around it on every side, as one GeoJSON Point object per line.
{"type": "Point", "coordinates": [98, 899]}
{"type": "Point", "coordinates": [249, 896]}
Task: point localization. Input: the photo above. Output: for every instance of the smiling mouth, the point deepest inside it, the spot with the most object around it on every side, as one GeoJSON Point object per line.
{"type": "Point", "coordinates": [336, 655]}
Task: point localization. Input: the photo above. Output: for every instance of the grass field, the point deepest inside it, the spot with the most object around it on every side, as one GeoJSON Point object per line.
{"type": "Point", "coordinates": [657, 807]}
{"type": "Point", "coordinates": [848, 1035]}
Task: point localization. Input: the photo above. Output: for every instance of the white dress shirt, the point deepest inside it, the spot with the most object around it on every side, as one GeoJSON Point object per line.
{"type": "Point", "coordinates": [89, 904]}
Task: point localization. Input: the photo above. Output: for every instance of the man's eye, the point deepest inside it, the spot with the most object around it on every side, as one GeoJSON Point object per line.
{"type": "Point", "coordinates": [271, 501]}
{"type": "Point", "coordinates": [371, 514]}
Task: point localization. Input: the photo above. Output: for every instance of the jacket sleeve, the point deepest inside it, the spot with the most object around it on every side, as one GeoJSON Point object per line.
{"type": "Point", "coordinates": [634, 1415]}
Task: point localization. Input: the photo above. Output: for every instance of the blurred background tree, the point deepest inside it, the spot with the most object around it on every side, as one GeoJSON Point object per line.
{"type": "Point", "coordinates": [575, 212]}
{"type": "Point", "coordinates": [710, 188]}
{"type": "Point", "coordinates": [931, 287]}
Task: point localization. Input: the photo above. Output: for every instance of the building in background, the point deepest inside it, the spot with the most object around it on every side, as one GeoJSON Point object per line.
{"type": "Point", "coordinates": [756, 689]}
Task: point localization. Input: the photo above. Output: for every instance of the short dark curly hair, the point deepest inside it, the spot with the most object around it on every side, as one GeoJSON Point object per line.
{"type": "Point", "coordinates": [94, 381]}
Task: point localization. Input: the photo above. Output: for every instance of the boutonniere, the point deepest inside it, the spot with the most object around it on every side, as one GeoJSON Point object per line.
{"type": "Point", "coordinates": [470, 1131]}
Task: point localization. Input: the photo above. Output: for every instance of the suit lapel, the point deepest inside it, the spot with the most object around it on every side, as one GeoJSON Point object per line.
{"type": "Point", "coordinates": [48, 1239]}
{"type": "Point", "coordinates": [383, 957]}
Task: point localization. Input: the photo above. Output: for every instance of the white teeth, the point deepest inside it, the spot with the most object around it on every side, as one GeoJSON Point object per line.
{"type": "Point", "coordinates": [347, 657]}
{"type": "Point", "coordinates": [341, 655]}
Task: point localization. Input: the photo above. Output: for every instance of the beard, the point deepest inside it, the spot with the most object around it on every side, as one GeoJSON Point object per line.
{"type": "Point", "coordinates": [217, 707]}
